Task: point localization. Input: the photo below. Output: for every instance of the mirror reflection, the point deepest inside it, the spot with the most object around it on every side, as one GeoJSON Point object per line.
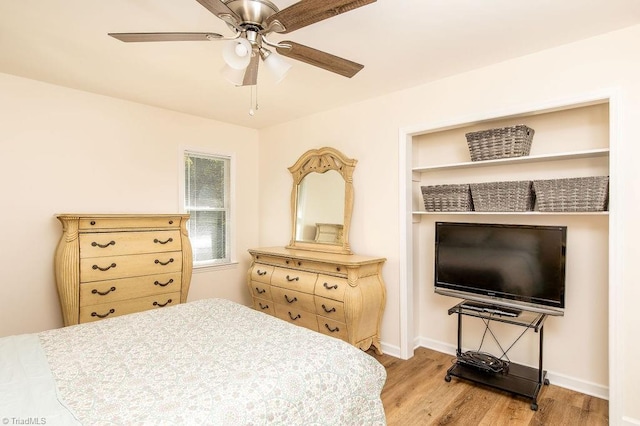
{"type": "Point", "coordinates": [320, 208]}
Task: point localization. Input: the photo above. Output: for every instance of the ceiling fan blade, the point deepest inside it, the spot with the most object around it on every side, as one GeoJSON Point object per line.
{"type": "Point", "coordinates": [251, 74]}
{"type": "Point", "coordinates": [138, 37]}
{"type": "Point", "coordinates": [221, 10]}
{"type": "Point", "coordinates": [307, 12]}
{"type": "Point", "coordinates": [319, 58]}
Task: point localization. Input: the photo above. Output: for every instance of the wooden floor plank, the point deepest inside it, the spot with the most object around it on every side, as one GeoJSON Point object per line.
{"type": "Point", "coordinates": [507, 411]}
{"type": "Point", "coordinates": [416, 393]}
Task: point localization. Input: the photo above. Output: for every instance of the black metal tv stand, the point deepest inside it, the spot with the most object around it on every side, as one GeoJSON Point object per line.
{"type": "Point", "coordinates": [517, 379]}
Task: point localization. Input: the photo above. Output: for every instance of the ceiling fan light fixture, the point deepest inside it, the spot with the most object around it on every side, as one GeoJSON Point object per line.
{"type": "Point", "coordinates": [237, 53]}
{"type": "Point", "coordinates": [276, 65]}
{"type": "Point", "coordinates": [241, 50]}
{"type": "Point", "coordinates": [252, 21]}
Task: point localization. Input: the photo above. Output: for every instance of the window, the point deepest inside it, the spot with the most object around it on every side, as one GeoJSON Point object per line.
{"type": "Point", "coordinates": [206, 198]}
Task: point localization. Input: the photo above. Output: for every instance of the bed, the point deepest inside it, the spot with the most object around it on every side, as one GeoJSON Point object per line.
{"type": "Point", "coordinates": [210, 361]}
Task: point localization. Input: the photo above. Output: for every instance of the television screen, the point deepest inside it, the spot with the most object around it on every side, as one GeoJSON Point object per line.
{"type": "Point", "coordinates": [512, 265]}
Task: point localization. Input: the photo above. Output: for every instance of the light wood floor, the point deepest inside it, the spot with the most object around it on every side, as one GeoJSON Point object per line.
{"type": "Point", "coordinates": [416, 394]}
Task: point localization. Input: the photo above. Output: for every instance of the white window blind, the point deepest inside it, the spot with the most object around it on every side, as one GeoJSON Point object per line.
{"type": "Point", "coordinates": [206, 199]}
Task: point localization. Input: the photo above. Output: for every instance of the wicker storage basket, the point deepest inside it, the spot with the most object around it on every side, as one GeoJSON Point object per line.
{"type": "Point", "coordinates": [586, 194]}
{"type": "Point", "coordinates": [512, 196]}
{"type": "Point", "coordinates": [505, 142]}
{"type": "Point", "coordinates": [447, 198]}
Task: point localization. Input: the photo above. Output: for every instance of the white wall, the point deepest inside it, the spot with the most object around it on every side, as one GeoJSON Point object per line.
{"type": "Point", "coordinates": [368, 132]}
{"type": "Point", "coordinates": [65, 151]}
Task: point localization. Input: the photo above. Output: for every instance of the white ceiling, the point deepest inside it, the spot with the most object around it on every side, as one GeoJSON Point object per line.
{"type": "Point", "coordinates": [402, 43]}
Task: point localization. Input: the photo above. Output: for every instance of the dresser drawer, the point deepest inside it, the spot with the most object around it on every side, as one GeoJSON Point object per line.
{"type": "Point", "coordinates": [297, 316]}
{"type": "Point", "coordinates": [118, 243]}
{"type": "Point", "coordinates": [106, 223]}
{"type": "Point", "coordinates": [330, 308]}
{"type": "Point", "coordinates": [333, 328]}
{"type": "Point", "coordinates": [293, 279]}
{"type": "Point", "coordinates": [295, 299]}
{"type": "Point", "coordinates": [95, 292]}
{"type": "Point", "coordinates": [263, 305]}
{"type": "Point", "coordinates": [112, 267]}
{"type": "Point", "coordinates": [307, 265]}
{"type": "Point", "coordinates": [114, 309]}
{"type": "Point", "coordinates": [275, 260]}
{"type": "Point", "coordinates": [261, 273]}
{"type": "Point", "coordinates": [322, 267]}
{"type": "Point", "coordinates": [331, 287]}
{"type": "Point", "coordinates": [261, 290]}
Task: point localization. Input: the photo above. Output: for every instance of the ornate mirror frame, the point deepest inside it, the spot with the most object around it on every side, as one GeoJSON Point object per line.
{"type": "Point", "coordinates": [320, 161]}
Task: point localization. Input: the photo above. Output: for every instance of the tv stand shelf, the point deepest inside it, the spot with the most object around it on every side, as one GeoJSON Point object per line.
{"type": "Point", "coordinates": [518, 379]}
{"type": "Point", "coordinates": [528, 319]}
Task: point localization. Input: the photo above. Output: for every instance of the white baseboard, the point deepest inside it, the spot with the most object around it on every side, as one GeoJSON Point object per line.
{"type": "Point", "coordinates": [393, 351]}
{"type": "Point", "coordinates": [557, 379]}
{"type": "Point", "coordinates": [435, 345]}
{"type": "Point", "coordinates": [578, 385]}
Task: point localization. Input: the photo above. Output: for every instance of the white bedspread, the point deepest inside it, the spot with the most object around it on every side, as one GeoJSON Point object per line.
{"type": "Point", "coordinates": [27, 389]}
{"type": "Point", "coordinates": [211, 362]}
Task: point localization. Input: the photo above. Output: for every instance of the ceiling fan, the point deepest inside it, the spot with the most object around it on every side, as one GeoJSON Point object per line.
{"type": "Point", "coordinates": [252, 21]}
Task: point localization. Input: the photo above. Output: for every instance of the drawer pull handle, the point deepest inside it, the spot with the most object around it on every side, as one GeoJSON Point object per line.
{"type": "Point", "coordinates": [157, 241]}
{"type": "Point", "coordinates": [295, 299]}
{"type": "Point", "coordinates": [163, 284]}
{"type": "Point", "coordinates": [95, 291]}
{"type": "Point", "coordinates": [162, 305]}
{"type": "Point", "coordinates": [333, 330]}
{"type": "Point", "coordinates": [294, 318]}
{"type": "Point", "coordinates": [263, 306]}
{"type": "Point", "coordinates": [110, 243]}
{"type": "Point", "coordinates": [95, 314]}
{"type": "Point", "coordinates": [328, 310]}
{"type": "Point", "coordinates": [164, 263]}
{"type": "Point", "coordinates": [260, 290]}
{"type": "Point", "coordinates": [261, 273]}
{"type": "Point", "coordinates": [113, 265]}
{"type": "Point", "coordinates": [330, 287]}
{"type": "Point", "coordinates": [292, 279]}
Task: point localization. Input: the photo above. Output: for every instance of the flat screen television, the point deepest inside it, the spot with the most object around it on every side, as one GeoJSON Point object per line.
{"type": "Point", "coordinates": [516, 266]}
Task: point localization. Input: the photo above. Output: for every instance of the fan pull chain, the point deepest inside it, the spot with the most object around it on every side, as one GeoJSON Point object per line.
{"type": "Point", "coordinates": [253, 110]}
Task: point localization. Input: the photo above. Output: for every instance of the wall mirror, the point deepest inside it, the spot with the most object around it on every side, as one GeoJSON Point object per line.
{"type": "Point", "coordinates": [322, 201]}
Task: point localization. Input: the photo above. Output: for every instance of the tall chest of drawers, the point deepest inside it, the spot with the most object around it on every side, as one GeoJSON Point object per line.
{"type": "Point", "coordinates": [336, 294]}
{"type": "Point", "coordinates": [109, 265]}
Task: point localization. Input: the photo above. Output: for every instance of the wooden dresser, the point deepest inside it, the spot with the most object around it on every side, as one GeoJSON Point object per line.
{"type": "Point", "coordinates": [336, 294]}
{"type": "Point", "coordinates": [109, 265]}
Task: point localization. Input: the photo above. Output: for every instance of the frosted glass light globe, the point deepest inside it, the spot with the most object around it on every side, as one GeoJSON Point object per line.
{"type": "Point", "coordinates": [241, 50]}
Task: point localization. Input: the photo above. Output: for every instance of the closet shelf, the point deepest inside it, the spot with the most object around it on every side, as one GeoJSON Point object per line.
{"type": "Point", "coordinates": [591, 153]}
{"type": "Point", "coordinates": [526, 213]}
